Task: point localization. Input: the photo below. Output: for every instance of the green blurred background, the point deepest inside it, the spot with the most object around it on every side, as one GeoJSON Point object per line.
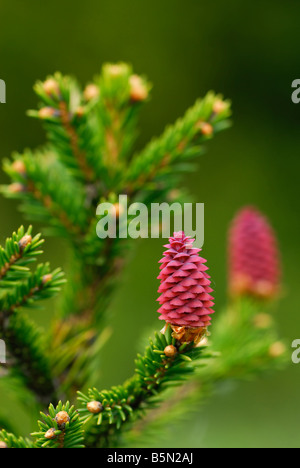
{"type": "Point", "coordinates": [250, 54]}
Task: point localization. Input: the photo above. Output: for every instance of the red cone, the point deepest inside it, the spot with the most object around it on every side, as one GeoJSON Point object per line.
{"type": "Point", "coordinates": [185, 287]}
{"type": "Point", "coordinates": [253, 256]}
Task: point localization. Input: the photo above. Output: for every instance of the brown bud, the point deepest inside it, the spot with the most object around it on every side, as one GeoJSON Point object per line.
{"type": "Point", "coordinates": [174, 194]}
{"type": "Point", "coordinates": [116, 210]}
{"type": "Point", "coordinates": [262, 321]}
{"type": "Point", "coordinates": [170, 351]}
{"type": "Point", "coordinates": [46, 112]}
{"type": "Point", "coordinates": [47, 278]}
{"type": "Point", "coordinates": [16, 188]}
{"type": "Point", "coordinates": [219, 106]}
{"type": "Point", "coordinates": [95, 407]}
{"type": "Point", "coordinates": [50, 434]}
{"type": "Point", "coordinates": [26, 240]}
{"type": "Point", "coordinates": [138, 89]}
{"type": "Point", "coordinates": [19, 167]}
{"type": "Point", "coordinates": [277, 349]}
{"type": "Point", "coordinates": [119, 209]}
{"type": "Point", "coordinates": [91, 92]}
{"type": "Point", "coordinates": [51, 87]}
{"type": "Point", "coordinates": [3, 445]}
{"type": "Point", "coordinates": [80, 111]}
{"type": "Point", "coordinates": [62, 418]}
{"type": "Point", "coordinates": [205, 128]}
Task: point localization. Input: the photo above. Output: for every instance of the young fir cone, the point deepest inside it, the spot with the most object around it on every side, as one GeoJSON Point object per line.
{"type": "Point", "coordinates": [254, 266]}
{"type": "Point", "coordinates": [186, 303]}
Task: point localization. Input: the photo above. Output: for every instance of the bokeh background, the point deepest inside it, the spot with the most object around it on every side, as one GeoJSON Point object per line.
{"type": "Point", "coordinates": [250, 53]}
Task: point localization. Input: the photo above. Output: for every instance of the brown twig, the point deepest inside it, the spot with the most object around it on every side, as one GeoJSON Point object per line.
{"type": "Point", "coordinates": [13, 259]}
{"type": "Point", "coordinates": [79, 155]}
{"type": "Point", "coordinates": [48, 203]}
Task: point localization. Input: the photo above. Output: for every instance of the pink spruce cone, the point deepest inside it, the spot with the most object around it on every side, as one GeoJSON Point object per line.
{"type": "Point", "coordinates": [186, 303]}
{"type": "Point", "coordinates": [254, 266]}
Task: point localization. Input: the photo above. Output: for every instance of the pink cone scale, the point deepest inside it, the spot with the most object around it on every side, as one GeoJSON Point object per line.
{"type": "Point", "coordinates": [185, 290]}
{"type": "Point", "coordinates": [254, 266]}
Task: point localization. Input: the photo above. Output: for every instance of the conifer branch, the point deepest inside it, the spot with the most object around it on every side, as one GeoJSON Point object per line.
{"type": "Point", "coordinates": [48, 193]}
{"type": "Point", "coordinates": [245, 335]}
{"type": "Point", "coordinates": [23, 288]}
{"type": "Point", "coordinates": [28, 358]}
{"type": "Point", "coordinates": [8, 440]}
{"type": "Point", "coordinates": [254, 348]}
{"type": "Point", "coordinates": [166, 363]}
{"type": "Point", "coordinates": [66, 117]}
{"type": "Point", "coordinates": [104, 117]}
{"type": "Point", "coordinates": [121, 94]}
{"type": "Point", "coordinates": [178, 144]}
{"type": "Point", "coordinates": [60, 428]}
{"type": "Point", "coordinates": [90, 158]}
{"type": "Point", "coordinates": [19, 251]}
{"type": "Point", "coordinates": [74, 349]}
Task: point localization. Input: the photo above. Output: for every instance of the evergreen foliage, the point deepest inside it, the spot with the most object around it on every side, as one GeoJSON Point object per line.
{"type": "Point", "coordinates": [154, 373]}
{"type": "Point", "coordinates": [90, 157]}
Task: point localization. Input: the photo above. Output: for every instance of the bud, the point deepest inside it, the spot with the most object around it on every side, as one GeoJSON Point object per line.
{"type": "Point", "coordinates": [253, 256]}
{"type": "Point", "coordinates": [16, 188]}
{"type": "Point", "coordinates": [26, 240]}
{"type": "Point", "coordinates": [262, 321]}
{"type": "Point", "coordinates": [47, 278]}
{"type": "Point", "coordinates": [170, 351]}
{"type": "Point", "coordinates": [205, 128]}
{"type": "Point", "coordinates": [47, 113]}
{"type": "Point", "coordinates": [19, 167]}
{"type": "Point", "coordinates": [219, 106]}
{"type": "Point", "coordinates": [95, 407]}
{"type": "Point", "coordinates": [186, 303]}
{"type": "Point", "coordinates": [277, 349]}
{"type": "Point", "coordinates": [116, 210]}
{"type": "Point", "coordinates": [91, 92]}
{"type": "Point", "coordinates": [62, 418]}
{"type": "Point", "coordinates": [80, 111]}
{"type": "Point", "coordinates": [138, 89]}
{"type": "Point", "coordinates": [3, 445]}
{"type": "Point", "coordinates": [50, 434]}
{"type": "Point", "coordinates": [119, 209]}
{"type": "Point", "coordinates": [51, 87]}
{"type": "Point", "coordinates": [174, 195]}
